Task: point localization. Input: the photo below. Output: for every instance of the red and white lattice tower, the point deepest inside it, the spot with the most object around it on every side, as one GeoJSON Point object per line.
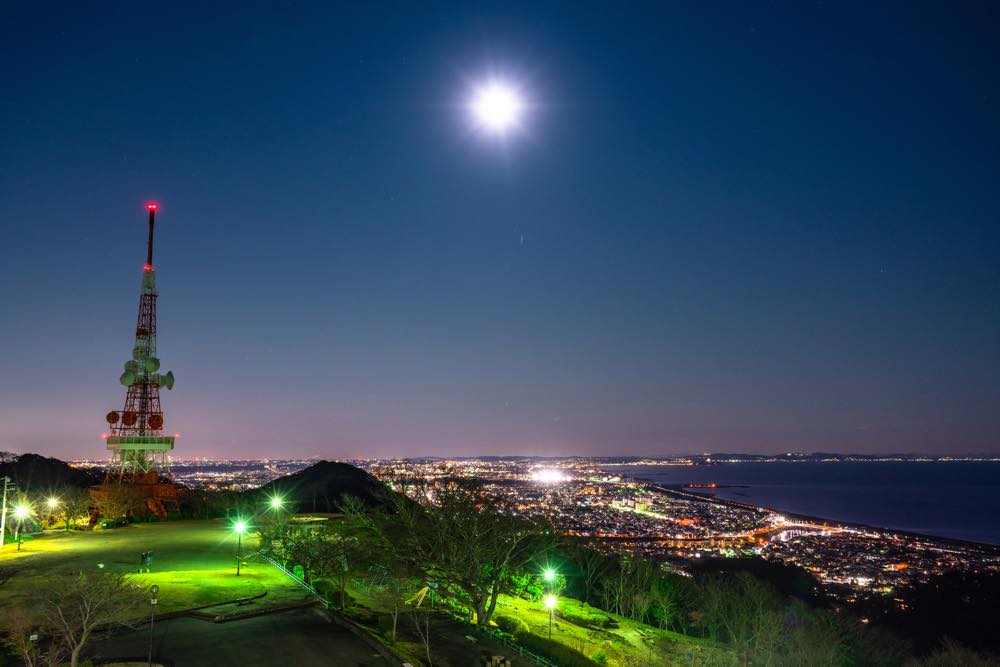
{"type": "Point", "coordinates": [140, 452]}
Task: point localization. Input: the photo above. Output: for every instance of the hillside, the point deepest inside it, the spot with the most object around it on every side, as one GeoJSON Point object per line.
{"type": "Point", "coordinates": [322, 486]}
{"type": "Point", "coordinates": [40, 474]}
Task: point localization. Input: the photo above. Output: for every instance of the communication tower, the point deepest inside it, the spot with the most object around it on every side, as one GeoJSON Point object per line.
{"type": "Point", "coordinates": [138, 480]}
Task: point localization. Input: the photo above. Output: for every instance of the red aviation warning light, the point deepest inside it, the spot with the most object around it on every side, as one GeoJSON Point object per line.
{"type": "Point", "coordinates": [151, 206]}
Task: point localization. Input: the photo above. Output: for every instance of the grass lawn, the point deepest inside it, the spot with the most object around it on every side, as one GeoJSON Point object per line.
{"type": "Point", "coordinates": [631, 643]}
{"type": "Point", "coordinates": [194, 563]}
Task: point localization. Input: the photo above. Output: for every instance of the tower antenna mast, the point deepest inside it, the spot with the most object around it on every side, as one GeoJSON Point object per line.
{"type": "Point", "coordinates": [151, 207]}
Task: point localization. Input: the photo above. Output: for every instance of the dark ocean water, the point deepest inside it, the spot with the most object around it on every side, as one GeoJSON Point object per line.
{"type": "Point", "coordinates": [956, 499]}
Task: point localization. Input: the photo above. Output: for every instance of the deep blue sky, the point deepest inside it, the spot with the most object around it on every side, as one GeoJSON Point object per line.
{"type": "Point", "coordinates": [723, 227]}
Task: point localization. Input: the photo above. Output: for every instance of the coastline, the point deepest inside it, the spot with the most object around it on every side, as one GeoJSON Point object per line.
{"type": "Point", "coordinates": [680, 490]}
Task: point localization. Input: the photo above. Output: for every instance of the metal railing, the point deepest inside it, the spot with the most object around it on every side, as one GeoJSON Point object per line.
{"type": "Point", "coordinates": [513, 645]}
{"type": "Point", "coordinates": [291, 575]}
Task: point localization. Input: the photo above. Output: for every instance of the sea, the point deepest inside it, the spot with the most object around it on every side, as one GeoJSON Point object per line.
{"type": "Point", "coordinates": [954, 499]}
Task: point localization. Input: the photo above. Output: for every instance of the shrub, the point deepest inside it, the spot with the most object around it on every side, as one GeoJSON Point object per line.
{"type": "Point", "coordinates": [562, 655]}
{"type": "Point", "coordinates": [591, 621]}
{"type": "Point", "coordinates": [512, 625]}
{"type": "Point", "coordinates": [954, 654]}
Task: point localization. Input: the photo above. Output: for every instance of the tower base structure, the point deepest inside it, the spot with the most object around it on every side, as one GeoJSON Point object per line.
{"type": "Point", "coordinates": [138, 481]}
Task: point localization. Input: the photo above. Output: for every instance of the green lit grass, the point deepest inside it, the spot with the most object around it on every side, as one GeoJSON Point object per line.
{"type": "Point", "coordinates": [631, 643]}
{"type": "Point", "coordinates": [194, 563]}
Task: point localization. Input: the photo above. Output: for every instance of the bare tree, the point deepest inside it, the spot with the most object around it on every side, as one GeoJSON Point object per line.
{"type": "Point", "coordinates": [465, 541]}
{"type": "Point", "coordinates": [76, 609]}
{"type": "Point", "coordinates": [74, 504]}
{"type": "Point", "coordinates": [114, 501]}
{"type": "Point", "coordinates": [21, 632]}
{"type": "Point", "coordinates": [593, 566]}
{"type": "Point", "coordinates": [421, 615]}
{"type": "Point", "coordinates": [663, 594]}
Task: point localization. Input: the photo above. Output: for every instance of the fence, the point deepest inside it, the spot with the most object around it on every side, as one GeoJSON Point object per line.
{"type": "Point", "coordinates": [517, 648]}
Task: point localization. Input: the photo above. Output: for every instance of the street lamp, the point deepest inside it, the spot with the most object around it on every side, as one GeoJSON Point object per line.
{"type": "Point", "coordinates": [549, 575]}
{"type": "Point", "coordinates": [277, 502]}
{"type": "Point", "coordinates": [240, 527]}
{"type": "Point", "coordinates": [20, 513]}
{"type": "Point", "coordinates": [550, 602]}
{"type": "Point", "coordinates": [153, 590]}
{"type": "Point", "coordinates": [52, 503]}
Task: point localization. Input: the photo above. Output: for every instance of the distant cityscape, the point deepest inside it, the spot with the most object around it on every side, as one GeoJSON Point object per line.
{"type": "Point", "coordinates": [675, 524]}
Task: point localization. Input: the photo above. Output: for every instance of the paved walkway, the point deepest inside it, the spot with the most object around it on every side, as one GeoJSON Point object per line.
{"type": "Point", "coordinates": [299, 637]}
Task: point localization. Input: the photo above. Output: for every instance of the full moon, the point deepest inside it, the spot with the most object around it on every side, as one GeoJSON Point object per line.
{"type": "Point", "coordinates": [497, 107]}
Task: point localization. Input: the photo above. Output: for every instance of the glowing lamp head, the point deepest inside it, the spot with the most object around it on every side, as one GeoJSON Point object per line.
{"type": "Point", "coordinates": [551, 601]}
{"type": "Point", "coordinates": [52, 502]}
{"type": "Point", "coordinates": [151, 206]}
{"type": "Point", "coordinates": [21, 511]}
{"type": "Point", "coordinates": [497, 107]}
{"type": "Point", "coordinates": [276, 502]}
{"type": "Point", "coordinates": [549, 574]}
{"type": "Point", "coordinates": [240, 527]}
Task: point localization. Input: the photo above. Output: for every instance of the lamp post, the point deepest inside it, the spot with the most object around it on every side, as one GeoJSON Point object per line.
{"type": "Point", "coordinates": [5, 481]}
{"type": "Point", "coordinates": [240, 527]}
{"type": "Point", "coordinates": [153, 590]}
{"type": "Point", "coordinates": [20, 512]}
{"type": "Point", "coordinates": [551, 601]}
{"type": "Point", "coordinates": [51, 503]}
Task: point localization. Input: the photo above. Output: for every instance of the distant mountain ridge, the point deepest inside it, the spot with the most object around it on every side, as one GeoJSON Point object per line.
{"type": "Point", "coordinates": [322, 486]}
{"type": "Point", "coordinates": [33, 473]}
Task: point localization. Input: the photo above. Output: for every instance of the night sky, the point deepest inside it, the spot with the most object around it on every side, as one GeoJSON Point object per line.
{"type": "Point", "coordinates": [718, 227]}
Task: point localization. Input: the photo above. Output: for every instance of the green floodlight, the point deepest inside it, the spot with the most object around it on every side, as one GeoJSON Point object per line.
{"type": "Point", "coordinates": [21, 511]}
{"type": "Point", "coordinates": [240, 527]}
{"type": "Point", "coordinates": [277, 502]}
{"type": "Point", "coordinates": [549, 574]}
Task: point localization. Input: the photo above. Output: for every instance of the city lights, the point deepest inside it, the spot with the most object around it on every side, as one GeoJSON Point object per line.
{"type": "Point", "coordinates": [548, 476]}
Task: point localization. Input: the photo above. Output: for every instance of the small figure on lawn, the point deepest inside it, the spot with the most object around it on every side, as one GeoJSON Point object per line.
{"type": "Point", "coordinates": [149, 559]}
{"type": "Point", "coordinates": [142, 560]}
